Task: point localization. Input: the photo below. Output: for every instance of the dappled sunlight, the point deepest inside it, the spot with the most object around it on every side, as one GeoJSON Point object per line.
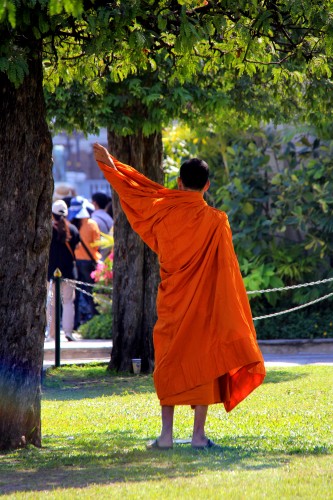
{"type": "Point", "coordinates": [96, 426]}
{"type": "Point", "coordinates": [89, 462]}
{"type": "Point", "coordinates": [276, 376]}
{"type": "Point", "coordinates": [68, 387]}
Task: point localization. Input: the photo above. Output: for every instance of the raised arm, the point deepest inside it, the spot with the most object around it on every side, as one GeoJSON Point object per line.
{"type": "Point", "coordinates": [137, 193]}
{"type": "Point", "coordinates": [101, 154]}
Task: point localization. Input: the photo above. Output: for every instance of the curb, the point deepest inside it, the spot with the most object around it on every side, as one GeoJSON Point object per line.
{"type": "Point", "coordinates": [296, 346]}
{"type": "Point", "coordinates": [100, 350]}
{"type": "Point", "coordinates": [81, 350]}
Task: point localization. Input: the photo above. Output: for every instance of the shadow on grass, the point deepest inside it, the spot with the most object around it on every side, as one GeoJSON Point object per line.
{"type": "Point", "coordinates": [278, 376]}
{"type": "Point", "coordinates": [68, 387]}
{"type": "Point", "coordinates": [80, 382]}
{"type": "Point", "coordinates": [65, 384]}
{"type": "Point", "coordinates": [99, 461]}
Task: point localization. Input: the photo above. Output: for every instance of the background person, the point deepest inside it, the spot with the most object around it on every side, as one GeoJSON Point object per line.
{"type": "Point", "coordinates": [87, 257]}
{"type": "Point", "coordinates": [109, 209]}
{"type": "Point", "coordinates": [63, 191]}
{"type": "Point", "coordinates": [102, 217]}
{"type": "Point", "coordinates": [65, 238]}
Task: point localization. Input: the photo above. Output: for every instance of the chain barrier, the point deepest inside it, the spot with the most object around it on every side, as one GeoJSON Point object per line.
{"type": "Point", "coordinates": [74, 284]}
{"type": "Point", "coordinates": [292, 287]}
{"type": "Point", "coordinates": [294, 308]}
{"type": "Point", "coordinates": [51, 297]}
{"type": "Point", "coordinates": [71, 282]}
{"type": "Point", "coordinates": [50, 303]}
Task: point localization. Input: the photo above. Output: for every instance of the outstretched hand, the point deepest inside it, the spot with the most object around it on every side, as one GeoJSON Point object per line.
{"type": "Point", "coordinates": [101, 154]}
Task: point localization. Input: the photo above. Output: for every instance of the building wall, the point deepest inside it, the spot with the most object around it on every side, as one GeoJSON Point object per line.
{"type": "Point", "coordinates": [74, 164]}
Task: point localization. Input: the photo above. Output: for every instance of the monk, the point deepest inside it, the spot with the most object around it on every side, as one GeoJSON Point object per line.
{"type": "Point", "coordinates": [204, 338]}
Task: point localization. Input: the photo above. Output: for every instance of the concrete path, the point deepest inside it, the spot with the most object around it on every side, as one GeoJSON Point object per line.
{"type": "Point", "coordinates": [297, 352]}
{"type": "Point", "coordinates": [275, 352]}
{"type": "Point", "coordinates": [298, 359]}
{"type": "Point", "coordinates": [79, 352]}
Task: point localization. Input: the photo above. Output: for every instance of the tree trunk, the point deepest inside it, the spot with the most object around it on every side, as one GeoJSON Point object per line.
{"type": "Point", "coordinates": [25, 228]}
{"type": "Point", "coordinates": [136, 269]}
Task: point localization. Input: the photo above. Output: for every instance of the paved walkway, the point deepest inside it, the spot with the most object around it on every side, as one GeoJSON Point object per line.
{"type": "Point", "coordinates": [297, 352]}
{"type": "Point", "coordinates": [298, 359]}
{"type": "Point", "coordinates": [276, 353]}
{"type": "Point", "coordinates": [79, 352]}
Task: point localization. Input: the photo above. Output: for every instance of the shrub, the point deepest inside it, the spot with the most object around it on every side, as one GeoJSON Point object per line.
{"type": "Point", "coordinates": [306, 324]}
{"type": "Point", "coordinates": [98, 327]}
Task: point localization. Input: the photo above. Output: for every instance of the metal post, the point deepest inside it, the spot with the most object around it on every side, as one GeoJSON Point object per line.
{"type": "Point", "coordinates": [57, 281]}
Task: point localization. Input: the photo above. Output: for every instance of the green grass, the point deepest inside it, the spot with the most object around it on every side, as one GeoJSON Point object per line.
{"type": "Point", "coordinates": [276, 444]}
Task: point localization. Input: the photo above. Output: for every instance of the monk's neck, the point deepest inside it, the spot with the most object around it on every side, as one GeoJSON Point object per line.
{"type": "Point", "coordinates": [192, 190]}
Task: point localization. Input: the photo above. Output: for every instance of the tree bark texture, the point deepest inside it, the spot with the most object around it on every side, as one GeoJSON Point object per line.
{"type": "Point", "coordinates": [135, 267]}
{"type": "Point", "coordinates": [25, 227]}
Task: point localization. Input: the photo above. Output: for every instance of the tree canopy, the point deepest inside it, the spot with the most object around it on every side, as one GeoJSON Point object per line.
{"type": "Point", "coordinates": [270, 60]}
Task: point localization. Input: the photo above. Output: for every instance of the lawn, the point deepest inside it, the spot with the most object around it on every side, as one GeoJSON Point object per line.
{"type": "Point", "coordinates": [277, 444]}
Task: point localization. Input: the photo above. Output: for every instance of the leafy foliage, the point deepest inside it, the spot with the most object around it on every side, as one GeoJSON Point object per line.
{"type": "Point", "coordinates": [278, 200]}
{"type": "Point", "coordinates": [276, 187]}
{"type": "Point", "coordinates": [98, 327]}
{"type": "Point", "coordinates": [175, 58]}
{"type": "Point", "coordinates": [178, 145]}
{"type": "Point", "coordinates": [312, 323]}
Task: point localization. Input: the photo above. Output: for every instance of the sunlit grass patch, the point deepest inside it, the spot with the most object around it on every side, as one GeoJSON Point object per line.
{"type": "Point", "coordinates": [96, 425]}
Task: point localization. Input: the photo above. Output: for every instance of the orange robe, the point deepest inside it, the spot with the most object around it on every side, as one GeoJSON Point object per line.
{"type": "Point", "coordinates": [204, 338]}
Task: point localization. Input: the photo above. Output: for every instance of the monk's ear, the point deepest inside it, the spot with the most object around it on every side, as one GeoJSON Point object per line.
{"type": "Point", "coordinates": [206, 187]}
{"type": "Point", "coordinates": [180, 183]}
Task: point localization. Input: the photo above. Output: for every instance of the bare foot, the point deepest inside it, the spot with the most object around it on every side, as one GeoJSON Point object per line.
{"type": "Point", "coordinates": [206, 445]}
{"type": "Point", "coordinates": [164, 442]}
{"type": "Point", "coordinates": [157, 445]}
{"type": "Point", "coordinates": [199, 441]}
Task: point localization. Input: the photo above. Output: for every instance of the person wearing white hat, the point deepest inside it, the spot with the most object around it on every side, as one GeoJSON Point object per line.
{"type": "Point", "coordinates": [87, 256]}
{"type": "Point", "coordinates": [65, 238]}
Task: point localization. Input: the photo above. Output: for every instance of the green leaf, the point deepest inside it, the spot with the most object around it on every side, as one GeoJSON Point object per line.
{"type": "Point", "coordinates": [8, 10]}
{"type": "Point", "coordinates": [4, 64]}
{"type": "Point", "coordinates": [71, 7]}
{"type": "Point", "coordinates": [248, 208]}
{"type": "Point", "coordinates": [161, 22]}
{"type": "Point", "coordinates": [238, 184]}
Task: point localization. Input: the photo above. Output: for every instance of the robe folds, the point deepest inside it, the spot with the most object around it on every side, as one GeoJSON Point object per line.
{"type": "Point", "coordinates": [205, 343]}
